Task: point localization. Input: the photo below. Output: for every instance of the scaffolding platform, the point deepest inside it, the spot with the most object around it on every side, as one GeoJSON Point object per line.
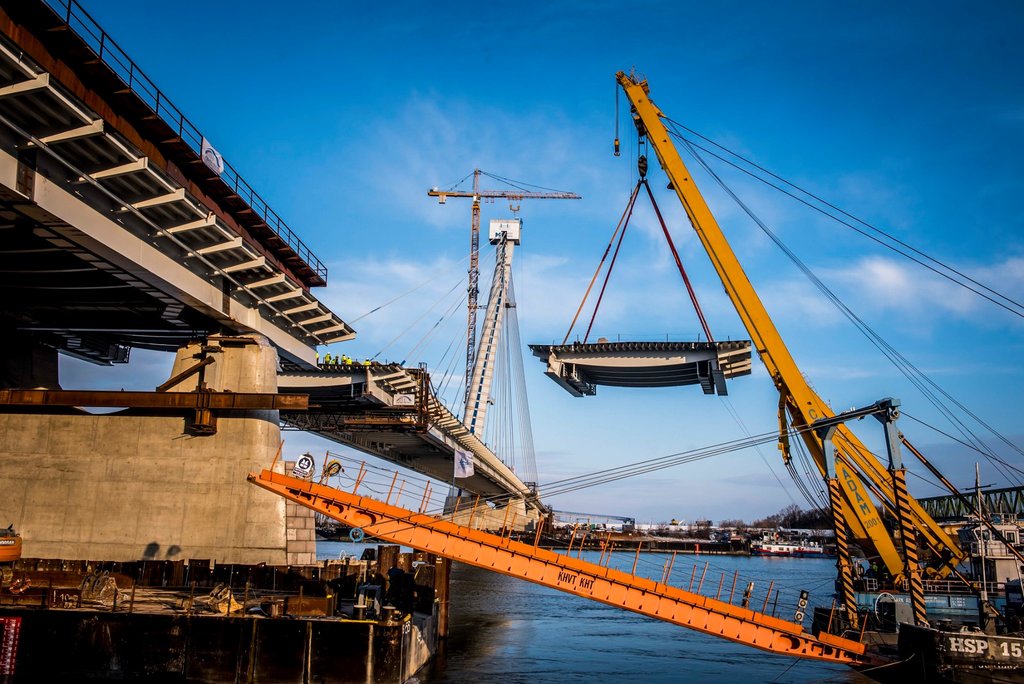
{"type": "Point", "coordinates": [580, 368]}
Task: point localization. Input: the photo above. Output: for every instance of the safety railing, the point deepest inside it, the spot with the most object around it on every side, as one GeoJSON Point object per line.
{"type": "Point", "coordinates": [668, 337]}
{"type": "Point", "coordinates": [711, 578]}
{"type": "Point", "coordinates": [111, 54]}
{"type": "Point", "coordinates": [747, 623]}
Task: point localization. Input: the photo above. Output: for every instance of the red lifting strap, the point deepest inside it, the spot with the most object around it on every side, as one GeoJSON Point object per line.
{"type": "Point", "coordinates": [623, 221]}
{"type": "Point", "coordinates": [622, 225]}
{"type": "Point", "coordinates": [679, 264]}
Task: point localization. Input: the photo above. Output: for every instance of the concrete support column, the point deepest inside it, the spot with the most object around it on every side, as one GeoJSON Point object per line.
{"type": "Point", "coordinates": [129, 486]}
{"type": "Point", "coordinates": [300, 530]}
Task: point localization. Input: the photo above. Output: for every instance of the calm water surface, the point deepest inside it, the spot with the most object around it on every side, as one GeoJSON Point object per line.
{"type": "Point", "coordinates": [508, 630]}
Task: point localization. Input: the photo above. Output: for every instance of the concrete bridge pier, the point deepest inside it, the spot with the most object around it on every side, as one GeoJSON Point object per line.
{"type": "Point", "coordinates": [135, 484]}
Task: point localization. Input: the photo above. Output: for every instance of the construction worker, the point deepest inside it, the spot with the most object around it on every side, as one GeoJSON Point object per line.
{"type": "Point", "coordinates": [346, 360]}
{"type": "Point", "coordinates": [366, 362]}
{"type": "Point", "coordinates": [327, 359]}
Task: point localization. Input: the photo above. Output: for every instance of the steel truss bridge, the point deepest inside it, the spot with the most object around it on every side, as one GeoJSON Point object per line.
{"type": "Point", "coordinates": [1008, 501]}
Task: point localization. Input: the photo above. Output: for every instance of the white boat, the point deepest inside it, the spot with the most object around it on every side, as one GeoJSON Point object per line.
{"type": "Point", "coordinates": [770, 546]}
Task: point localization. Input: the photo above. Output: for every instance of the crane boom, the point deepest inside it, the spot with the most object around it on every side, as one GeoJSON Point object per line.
{"type": "Point", "coordinates": [856, 467]}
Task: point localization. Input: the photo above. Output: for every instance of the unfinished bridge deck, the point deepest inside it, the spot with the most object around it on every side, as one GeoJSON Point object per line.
{"type": "Point", "coordinates": [390, 412]}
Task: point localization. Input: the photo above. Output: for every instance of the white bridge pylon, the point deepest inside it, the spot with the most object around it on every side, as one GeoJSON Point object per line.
{"type": "Point", "coordinates": [505, 235]}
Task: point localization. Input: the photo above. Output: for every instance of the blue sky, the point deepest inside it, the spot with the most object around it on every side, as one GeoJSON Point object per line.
{"type": "Point", "coordinates": [909, 115]}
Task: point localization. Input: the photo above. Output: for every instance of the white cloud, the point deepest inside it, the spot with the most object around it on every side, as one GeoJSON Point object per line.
{"type": "Point", "coordinates": [907, 289]}
{"type": "Point", "coordinates": [435, 140]}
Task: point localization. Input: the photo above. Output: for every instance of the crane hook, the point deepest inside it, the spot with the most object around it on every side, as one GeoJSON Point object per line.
{"type": "Point", "coordinates": [641, 165]}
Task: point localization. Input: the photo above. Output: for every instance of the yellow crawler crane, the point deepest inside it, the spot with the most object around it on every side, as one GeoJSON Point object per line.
{"type": "Point", "coordinates": [854, 469]}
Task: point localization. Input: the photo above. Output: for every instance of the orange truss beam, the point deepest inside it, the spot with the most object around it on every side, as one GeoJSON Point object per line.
{"type": "Point", "coordinates": [571, 575]}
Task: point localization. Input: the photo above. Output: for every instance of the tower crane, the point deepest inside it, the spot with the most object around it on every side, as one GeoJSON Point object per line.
{"type": "Point", "coordinates": [514, 196]}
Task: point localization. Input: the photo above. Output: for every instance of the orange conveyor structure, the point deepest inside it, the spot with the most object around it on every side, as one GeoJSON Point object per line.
{"type": "Point", "coordinates": [498, 553]}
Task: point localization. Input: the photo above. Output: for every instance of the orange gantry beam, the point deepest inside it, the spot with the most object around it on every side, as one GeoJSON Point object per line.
{"type": "Point", "coordinates": [558, 571]}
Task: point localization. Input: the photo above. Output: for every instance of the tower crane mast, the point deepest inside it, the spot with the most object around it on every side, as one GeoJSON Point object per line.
{"type": "Point", "coordinates": [514, 196]}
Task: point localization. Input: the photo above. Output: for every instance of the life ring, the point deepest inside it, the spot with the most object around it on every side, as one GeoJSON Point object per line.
{"type": "Point", "coordinates": [878, 600]}
{"type": "Point", "coordinates": [356, 534]}
{"type": "Point", "coordinates": [331, 468]}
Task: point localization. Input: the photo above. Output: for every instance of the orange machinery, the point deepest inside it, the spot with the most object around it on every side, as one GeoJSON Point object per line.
{"type": "Point", "coordinates": [501, 554]}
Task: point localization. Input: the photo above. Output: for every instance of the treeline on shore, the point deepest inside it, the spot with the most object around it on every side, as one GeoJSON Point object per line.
{"type": "Point", "coordinates": [791, 516]}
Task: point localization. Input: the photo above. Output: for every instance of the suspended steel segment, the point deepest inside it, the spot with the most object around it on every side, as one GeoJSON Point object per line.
{"type": "Point", "coordinates": [579, 368]}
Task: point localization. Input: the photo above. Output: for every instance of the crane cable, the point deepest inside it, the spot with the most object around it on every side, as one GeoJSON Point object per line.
{"type": "Point", "coordinates": [953, 438]}
{"type": "Point", "coordinates": [920, 261]}
{"type": "Point", "coordinates": [916, 377]}
{"type": "Point", "coordinates": [743, 426]}
{"type": "Point", "coordinates": [627, 212]}
{"type": "Point", "coordinates": [679, 263]}
{"type": "Point", "coordinates": [517, 184]}
{"type": "Point", "coordinates": [623, 224]}
{"type": "Point", "coordinates": [611, 265]}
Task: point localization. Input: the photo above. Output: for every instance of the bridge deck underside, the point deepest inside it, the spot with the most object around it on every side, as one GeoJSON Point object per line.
{"type": "Point", "coordinates": [378, 410]}
{"type": "Point", "coordinates": [65, 299]}
{"type": "Point", "coordinates": [579, 368]}
{"type": "Point", "coordinates": [72, 40]}
{"type": "Point", "coordinates": [103, 249]}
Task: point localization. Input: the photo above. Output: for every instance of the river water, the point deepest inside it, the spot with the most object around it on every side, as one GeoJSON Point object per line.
{"type": "Point", "coordinates": [511, 631]}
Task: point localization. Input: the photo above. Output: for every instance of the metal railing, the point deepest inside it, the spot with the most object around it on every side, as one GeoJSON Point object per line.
{"type": "Point", "coordinates": [111, 54]}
